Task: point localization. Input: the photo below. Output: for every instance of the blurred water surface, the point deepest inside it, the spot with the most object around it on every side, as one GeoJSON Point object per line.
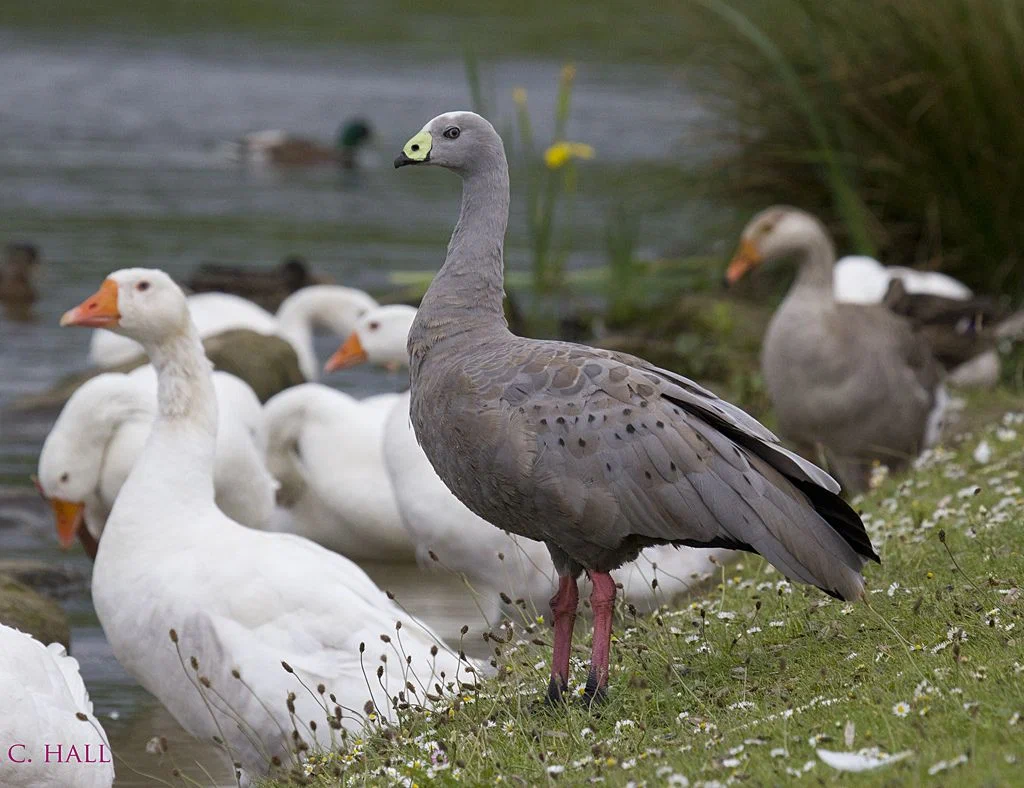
{"type": "Point", "coordinates": [114, 156]}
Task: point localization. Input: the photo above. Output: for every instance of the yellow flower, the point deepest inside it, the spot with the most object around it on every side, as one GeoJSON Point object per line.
{"type": "Point", "coordinates": [519, 96]}
{"type": "Point", "coordinates": [568, 72]}
{"type": "Point", "coordinates": [560, 153]}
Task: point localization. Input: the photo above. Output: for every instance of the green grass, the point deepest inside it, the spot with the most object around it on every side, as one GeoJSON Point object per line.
{"type": "Point", "coordinates": [899, 122]}
{"type": "Point", "coordinates": [744, 682]}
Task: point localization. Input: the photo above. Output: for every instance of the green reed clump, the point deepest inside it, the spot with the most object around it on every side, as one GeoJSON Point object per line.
{"type": "Point", "coordinates": [900, 122]}
{"type": "Point", "coordinates": [550, 186]}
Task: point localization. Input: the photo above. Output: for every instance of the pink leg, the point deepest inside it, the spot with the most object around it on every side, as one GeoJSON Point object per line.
{"type": "Point", "coordinates": [563, 607]}
{"type": "Point", "coordinates": [602, 602]}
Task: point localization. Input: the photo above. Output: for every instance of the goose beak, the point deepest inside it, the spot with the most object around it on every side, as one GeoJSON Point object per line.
{"type": "Point", "coordinates": [70, 518]}
{"type": "Point", "coordinates": [348, 355]}
{"type": "Point", "coordinates": [746, 258]}
{"type": "Point", "coordinates": [98, 311]}
{"type": "Point", "coordinates": [416, 150]}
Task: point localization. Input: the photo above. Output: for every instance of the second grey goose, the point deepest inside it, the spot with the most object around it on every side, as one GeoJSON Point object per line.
{"type": "Point", "coordinates": [853, 379]}
{"type": "Point", "coordinates": [598, 454]}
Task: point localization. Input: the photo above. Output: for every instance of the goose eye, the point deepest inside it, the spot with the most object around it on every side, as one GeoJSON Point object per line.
{"type": "Point", "coordinates": [767, 228]}
{"type": "Point", "coordinates": [142, 287]}
{"type": "Point", "coordinates": [452, 133]}
{"type": "Point", "coordinates": [64, 476]}
{"type": "Point", "coordinates": [374, 325]}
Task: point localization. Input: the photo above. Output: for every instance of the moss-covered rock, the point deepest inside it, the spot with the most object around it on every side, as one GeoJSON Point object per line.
{"type": "Point", "coordinates": [267, 363]}
{"type": "Point", "coordinates": [24, 609]}
{"type": "Point", "coordinates": [56, 581]}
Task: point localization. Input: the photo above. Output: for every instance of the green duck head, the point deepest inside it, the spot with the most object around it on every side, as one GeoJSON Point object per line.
{"type": "Point", "coordinates": [354, 133]}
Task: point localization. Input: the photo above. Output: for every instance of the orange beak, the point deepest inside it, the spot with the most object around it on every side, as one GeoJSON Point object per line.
{"type": "Point", "coordinates": [97, 311]}
{"type": "Point", "coordinates": [70, 518]}
{"type": "Point", "coordinates": [746, 258]}
{"type": "Point", "coordinates": [349, 355]}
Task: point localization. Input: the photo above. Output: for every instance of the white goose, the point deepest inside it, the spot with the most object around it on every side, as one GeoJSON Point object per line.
{"type": "Point", "coordinates": [331, 308]}
{"type": "Point", "coordinates": [441, 525]}
{"type": "Point", "coordinates": [99, 436]}
{"type": "Point", "coordinates": [326, 451]}
{"type": "Point", "coordinates": [857, 279]}
{"type": "Point", "coordinates": [240, 601]}
{"type": "Point", "coordinates": [46, 706]}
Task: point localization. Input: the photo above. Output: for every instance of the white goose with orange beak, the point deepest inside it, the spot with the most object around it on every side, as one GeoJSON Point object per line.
{"type": "Point", "coordinates": [330, 308]}
{"type": "Point", "coordinates": [100, 433]}
{"type": "Point", "coordinates": [266, 617]}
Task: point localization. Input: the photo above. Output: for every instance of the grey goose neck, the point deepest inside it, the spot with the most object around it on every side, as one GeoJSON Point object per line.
{"type": "Point", "coordinates": [815, 262]}
{"type": "Point", "coordinates": [468, 292]}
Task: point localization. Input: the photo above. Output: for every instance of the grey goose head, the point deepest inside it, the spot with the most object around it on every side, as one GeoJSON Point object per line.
{"type": "Point", "coordinates": [463, 142]}
{"type": "Point", "coordinates": [773, 234]}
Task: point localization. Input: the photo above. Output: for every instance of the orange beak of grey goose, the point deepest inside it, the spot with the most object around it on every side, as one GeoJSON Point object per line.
{"type": "Point", "coordinates": [746, 258]}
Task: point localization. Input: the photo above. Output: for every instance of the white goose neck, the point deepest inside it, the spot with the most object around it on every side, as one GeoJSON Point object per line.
{"type": "Point", "coordinates": [185, 390]}
{"type": "Point", "coordinates": [328, 307]}
{"type": "Point", "coordinates": [173, 477]}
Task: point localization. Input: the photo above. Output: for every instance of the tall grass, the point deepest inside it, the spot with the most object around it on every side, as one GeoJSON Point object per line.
{"type": "Point", "coordinates": [550, 189]}
{"type": "Point", "coordinates": [901, 122]}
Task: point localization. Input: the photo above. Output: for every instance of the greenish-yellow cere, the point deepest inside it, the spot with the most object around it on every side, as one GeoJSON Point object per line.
{"type": "Point", "coordinates": [418, 147]}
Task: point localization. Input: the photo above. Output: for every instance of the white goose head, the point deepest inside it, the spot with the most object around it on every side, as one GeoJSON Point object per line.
{"type": "Point", "coordinates": [140, 303]}
{"type": "Point", "coordinates": [71, 464]}
{"type": "Point", "coordinates": [380, 337]}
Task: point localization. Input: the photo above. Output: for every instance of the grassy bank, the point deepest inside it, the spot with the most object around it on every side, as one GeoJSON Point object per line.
{"type": "Point", "coordinates": [746, 681]}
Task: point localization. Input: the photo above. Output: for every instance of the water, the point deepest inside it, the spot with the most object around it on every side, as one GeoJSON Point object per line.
{"type": "Point", "coordinates": [113, 156]}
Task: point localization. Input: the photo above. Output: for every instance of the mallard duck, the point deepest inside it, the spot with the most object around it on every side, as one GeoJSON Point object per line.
{"type": "Point", "coordinates": [268, 288]}
{"type": "Point", "coordinates": [282, 149]}
{"type": "Point", "coordinates": [854, 380]}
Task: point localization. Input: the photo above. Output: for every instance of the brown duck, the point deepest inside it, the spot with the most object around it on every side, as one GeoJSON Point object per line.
{"type": "Point", "coordinates": [268, 288]}
{"type": "Point", "coordinates": [17, 280]}
{"type": "Point", "coordinates": [598, 454]}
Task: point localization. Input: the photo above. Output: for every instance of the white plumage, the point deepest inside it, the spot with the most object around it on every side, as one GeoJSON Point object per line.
{"type": "Point", "coordinates": [45, 706]}
{"type": "Point", "coordinates": [863, 280]}
{"type": "Point", "coordinates": [241, 601]}
{"type": "Point", "coordinates": [328, 307]}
